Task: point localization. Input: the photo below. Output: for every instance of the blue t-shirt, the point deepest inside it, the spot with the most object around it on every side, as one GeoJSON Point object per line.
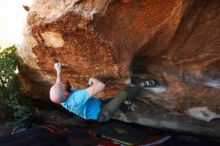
{"type": "Point", "coordinates": [82, 105]}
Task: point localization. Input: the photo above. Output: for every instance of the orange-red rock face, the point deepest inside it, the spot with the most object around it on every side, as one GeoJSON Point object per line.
{"type": "Point", "coordinates": [173, 41]}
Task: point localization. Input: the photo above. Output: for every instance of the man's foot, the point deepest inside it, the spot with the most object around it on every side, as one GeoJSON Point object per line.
{"type": "Point", "coordinates": [145, 83]}
{"type": "Point", "coordinates": [149, 84]}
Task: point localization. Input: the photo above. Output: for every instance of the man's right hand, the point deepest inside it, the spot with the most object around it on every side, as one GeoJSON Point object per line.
{"type": "Point", "coordinates": [58, 67]}
{"type": "Point", "coordinates": [91, 81]}
{"type": "Point", "coordinates": [96, 86]}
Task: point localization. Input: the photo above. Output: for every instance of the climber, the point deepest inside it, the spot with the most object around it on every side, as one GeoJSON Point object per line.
{"type": "Point", "coordinates": [84, 103]}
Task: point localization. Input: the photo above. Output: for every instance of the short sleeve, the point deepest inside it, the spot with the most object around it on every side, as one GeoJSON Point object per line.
{"type": "Point", "coordinates": [80, 96]}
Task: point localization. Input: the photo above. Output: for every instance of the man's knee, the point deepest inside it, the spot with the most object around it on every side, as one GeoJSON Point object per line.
{"type": "Point", "coordinates": [104, 115]}
{"type": "Point", "coordinates": [133, 92]}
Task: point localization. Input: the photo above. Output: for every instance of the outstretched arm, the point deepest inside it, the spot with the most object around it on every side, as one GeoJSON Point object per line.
{"type": "Point", "coordinates": [96, 86]}
{"type": "Point", "coordinates": [57, 67]}
{"type": "Point", "coordinates": [56, 91]}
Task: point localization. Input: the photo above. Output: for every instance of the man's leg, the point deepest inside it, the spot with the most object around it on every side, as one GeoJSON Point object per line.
{"type": "Point", "coordinates": [111, 107]}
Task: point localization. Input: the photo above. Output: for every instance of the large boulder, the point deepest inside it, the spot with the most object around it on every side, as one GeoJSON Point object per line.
{"type": "Point", "coordinates": [175, 42]}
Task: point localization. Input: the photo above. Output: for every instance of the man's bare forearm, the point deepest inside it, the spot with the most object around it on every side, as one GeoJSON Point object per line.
{"type": "Point", "coordinates": [59, 78]}
{"type": "Point", "coordinates": [57, 67]}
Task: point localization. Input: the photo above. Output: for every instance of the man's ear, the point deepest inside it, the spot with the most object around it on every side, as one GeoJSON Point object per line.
{"type": "Point", "coordinates": [66, 93]}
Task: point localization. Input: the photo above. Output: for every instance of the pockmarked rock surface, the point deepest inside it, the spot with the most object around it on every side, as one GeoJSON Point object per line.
{"type": "Point", "coordinates": [175, 42]}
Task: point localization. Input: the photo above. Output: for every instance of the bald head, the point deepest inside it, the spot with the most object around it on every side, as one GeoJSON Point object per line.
{"type": "Point", "coordinates": [57, 93]}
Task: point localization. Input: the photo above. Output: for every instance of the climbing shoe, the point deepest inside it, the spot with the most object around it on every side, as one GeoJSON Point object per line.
{"type": "Point", "coordinates": [149, 84]}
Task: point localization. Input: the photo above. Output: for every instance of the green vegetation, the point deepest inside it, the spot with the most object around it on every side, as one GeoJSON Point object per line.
{"type": "Point", "coordinates": [11, 101]}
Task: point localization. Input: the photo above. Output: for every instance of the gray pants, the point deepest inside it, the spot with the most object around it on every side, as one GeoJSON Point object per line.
{"type": "Point", "coordinates": [111, 107]}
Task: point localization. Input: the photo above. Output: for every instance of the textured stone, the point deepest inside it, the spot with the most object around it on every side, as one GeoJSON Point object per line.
{"type": "Point", "coordinates": [175, 42]}
{"type": "Point", "coordinates": [52, 39]}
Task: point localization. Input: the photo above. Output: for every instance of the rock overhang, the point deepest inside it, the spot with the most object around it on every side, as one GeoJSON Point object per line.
{"type": "Point", "coordinates": [172, 41]}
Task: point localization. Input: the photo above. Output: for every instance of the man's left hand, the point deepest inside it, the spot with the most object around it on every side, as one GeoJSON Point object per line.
{"type": "Point", "coordinates": [58, 67]}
